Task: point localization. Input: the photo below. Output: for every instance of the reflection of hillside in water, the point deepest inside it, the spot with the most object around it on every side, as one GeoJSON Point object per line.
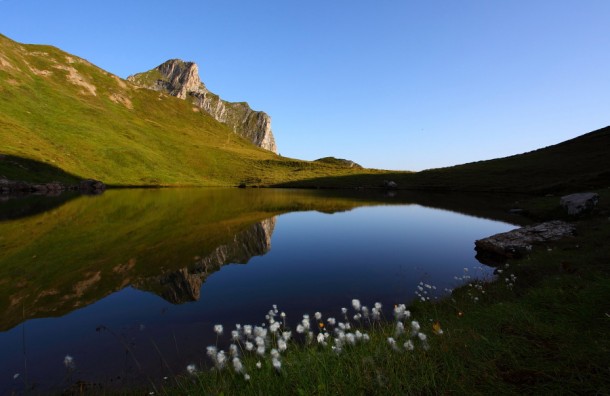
{"type": "Point", "coordinates": [184, 284]}
{"type": "Point", "coordinates": [165, 241]}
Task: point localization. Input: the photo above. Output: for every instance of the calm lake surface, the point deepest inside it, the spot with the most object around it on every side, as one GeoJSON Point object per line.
{"type": "Point", "coordinates": [130, 283]}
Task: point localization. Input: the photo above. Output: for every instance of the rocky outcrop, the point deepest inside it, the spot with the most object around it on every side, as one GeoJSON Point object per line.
{"type": "Point", "coordinates": [580, 203]}
{"type": "Point", "coordinates": [181, 79]}
{"type": "Point", "coordinates": [89, 186]}
{"type": "Point", "coordinates": [516, 243]}
{"type": "Point", "coordinates": [185, 284]}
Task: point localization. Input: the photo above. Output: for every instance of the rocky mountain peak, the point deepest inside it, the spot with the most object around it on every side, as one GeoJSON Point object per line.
{"type": "Point", "coordinates": [181, 79]}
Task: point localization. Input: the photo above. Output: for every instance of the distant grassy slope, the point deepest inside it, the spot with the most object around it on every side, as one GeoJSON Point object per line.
{"type": "Point", "coordinates": [65, 119]}
{"type": "Point", "coordinates": [60, 110]}
{"type": "Point", "coordinates": [579, 163]}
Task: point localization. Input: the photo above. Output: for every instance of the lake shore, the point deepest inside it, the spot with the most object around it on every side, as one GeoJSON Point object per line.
{"type": "Point", "coordinates": [539, 328]}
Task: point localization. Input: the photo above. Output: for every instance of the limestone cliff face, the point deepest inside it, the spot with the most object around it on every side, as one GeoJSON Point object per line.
{"type": "Point", "coordinates": [181, 79]}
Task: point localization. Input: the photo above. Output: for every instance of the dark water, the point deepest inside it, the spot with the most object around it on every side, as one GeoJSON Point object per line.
{"type": "Point", "coordinates": [130, 283]}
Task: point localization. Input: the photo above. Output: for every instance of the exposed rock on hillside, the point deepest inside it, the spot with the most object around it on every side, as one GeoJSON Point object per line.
{"type": "Point", "coordinates": [181, 79]}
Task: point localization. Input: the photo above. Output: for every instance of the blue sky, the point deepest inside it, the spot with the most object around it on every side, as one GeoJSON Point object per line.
{"type": "Point", "coordinates": [389, 84]}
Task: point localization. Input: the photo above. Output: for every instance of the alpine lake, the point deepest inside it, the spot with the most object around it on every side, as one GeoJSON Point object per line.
{"type": "Point", "coordinates": [130, 283]}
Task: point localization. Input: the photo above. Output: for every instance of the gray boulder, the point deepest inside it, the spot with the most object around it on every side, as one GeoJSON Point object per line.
{"type": "Point", "coordinates": [518, 242]}
{"type": "Point", "coordinates": [579, 203]}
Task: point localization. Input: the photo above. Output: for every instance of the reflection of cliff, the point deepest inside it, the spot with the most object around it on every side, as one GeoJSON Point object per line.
{"type": "Point", "coordinates": [166, 241]}
{"type": "Point", "coordinates": [185, 284]}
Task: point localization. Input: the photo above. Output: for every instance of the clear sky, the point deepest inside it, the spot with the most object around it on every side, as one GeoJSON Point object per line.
{"type": "Point", "coordinates": [392, 84]}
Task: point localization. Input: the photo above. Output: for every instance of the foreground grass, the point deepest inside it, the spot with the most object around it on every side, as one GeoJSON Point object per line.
{"type": "Point", "coordinates": [544, 331]}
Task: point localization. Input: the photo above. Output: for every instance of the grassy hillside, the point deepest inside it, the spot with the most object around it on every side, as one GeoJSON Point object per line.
{"type": "Point", "coordinates": [62, 118]}
{"type": "Point", "coordinates": [579, 163]}
{"type": "Point", "coordinates": [63, 114]}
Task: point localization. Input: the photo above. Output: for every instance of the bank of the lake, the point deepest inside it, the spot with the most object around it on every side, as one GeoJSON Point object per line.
{"type": "Point", "coordinates": [541, 328]}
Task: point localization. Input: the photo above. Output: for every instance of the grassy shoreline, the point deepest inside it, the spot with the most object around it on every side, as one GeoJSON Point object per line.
{"type": "Point", "coordinates": [542, 331]}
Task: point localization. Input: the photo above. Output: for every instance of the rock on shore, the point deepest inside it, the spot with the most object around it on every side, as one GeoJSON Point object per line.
{"type": "Point", "coordinates": [518, 242]}
{"type": "Point", "coordinates": [89, 186]}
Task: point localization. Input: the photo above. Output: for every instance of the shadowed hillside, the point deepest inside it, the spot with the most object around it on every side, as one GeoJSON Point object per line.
{"type": "Point", "coordinates": [579, 163]}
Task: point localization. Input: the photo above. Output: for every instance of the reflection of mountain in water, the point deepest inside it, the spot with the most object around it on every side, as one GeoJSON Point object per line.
{"type": "Point", "coordinates": [58, 258]}
{"type": "Point", "coordinates": [185, 284]}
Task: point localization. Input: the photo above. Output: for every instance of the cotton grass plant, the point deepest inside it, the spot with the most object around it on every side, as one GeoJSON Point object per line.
{"type": "Point", "coordinates": [274, 351]}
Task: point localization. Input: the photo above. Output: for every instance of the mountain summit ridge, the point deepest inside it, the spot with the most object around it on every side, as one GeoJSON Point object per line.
{"type": "Point", "coordinates": [181, 79]}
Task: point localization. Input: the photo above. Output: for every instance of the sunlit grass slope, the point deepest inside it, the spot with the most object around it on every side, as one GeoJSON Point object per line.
{"type": "Point", "coordinates": [61, 111]}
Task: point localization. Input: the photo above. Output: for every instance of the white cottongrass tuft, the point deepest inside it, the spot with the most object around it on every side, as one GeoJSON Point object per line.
{"type": "Point", "coordinates": [261, 350]}
{"type": "Point", "coordinates": [409, 345]}
{"type": "Point", "coordinates": [275, 326]}
{"type": "Point", "coordinates": [356, 304]}
{"type": "Point", "coordinates": [191, 369]}
{"type": "Point", "coordinates": [277, 364]}
{"type": "Point", "coordinates": [300, 329]}
{"type": "Point", "coordinates": [331, 321]}
{"type": "Point", "coordinates": [378, 306]}
{"type": "Point", "coordinates": [234, 335]}
{"type": "Point", "coordinates": [221, 359]}
{"type": "Point", "coordinates": [237, 365]}
{"type": "Point", "coordinates": [233, 350]}
{"type": "Point", "coordinates": [415, 328]}
{"type": "Point", "coordinates": [400, 329]}
{"type": "Point", "coordinates": [69, 362]}
{"type": "Point", "coordinates": [282, 345]}
{"type": "Point", "coordinates": [350, 338]}
{"type": "Point", "coordinates": [286, 335]}
{"type": "Point", "coordinates": [218, 329]}
{"type": "Point", "coordinates": [248, 330]}
{"type": "Point", "coordinates": [366, 337]}
{"type": "Point", "coordinates": [321, 339]}
{"type": "Point", "coordinates": [249, 346]}
{"type": "Point", "coordinates": [392, 343]}
{"type": "Point", "coordinates": [318, 316]}
{"type": "Point", "coordinates": [400, 312]}
{"type": "Point", "coordinates": [422, 336]}
{"type": "Point", "coordinates": [259, 365]}
{"type": "Point", "coordinates": [365, 312]}
{"type": "Point", "coordinates": [247, 377]}
{"type": "Point", "coordinates": [211, 351]}
{"type": "Point", "coordinates": [305, 322]}
{"type": "Point", "coordinates": [260, 331]}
